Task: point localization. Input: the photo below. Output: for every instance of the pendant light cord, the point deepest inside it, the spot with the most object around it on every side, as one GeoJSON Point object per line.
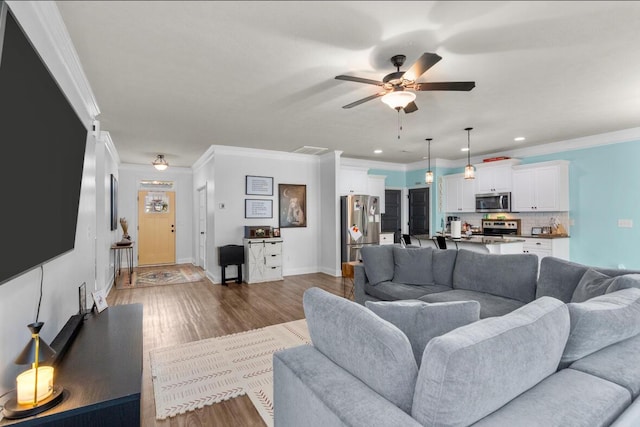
{"type": "Point", "coordinates": [40, 300]}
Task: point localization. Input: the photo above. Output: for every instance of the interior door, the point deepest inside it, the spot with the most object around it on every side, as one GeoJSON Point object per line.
{"type": "Point", "coordinates": [392, 216]}
{"type": "Point", "coordinates": [202, 226]}
{"type": "Point", "coordinates": [418, 211]}
{"type": "Point", "coordinates": [156, 227]}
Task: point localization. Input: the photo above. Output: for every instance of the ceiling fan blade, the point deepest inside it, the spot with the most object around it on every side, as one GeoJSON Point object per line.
{"type": "Point", "coordinates": [359, 80]}
{"type": "Point", "coordinates": [445, 86]}
{"type": "Point", "coordinates": [426, 61]}
{"type": "Point", "coordinates": [411, 107]}
{"type": "Point", "coordinates": [363, 100]}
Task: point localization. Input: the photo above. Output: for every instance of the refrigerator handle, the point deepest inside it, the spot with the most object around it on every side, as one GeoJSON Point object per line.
{"type": "Point", "coordinates": [365, 223]}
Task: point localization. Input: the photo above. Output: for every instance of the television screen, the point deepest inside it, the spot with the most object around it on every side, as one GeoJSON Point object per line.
{"type": "Point", "coordinates": [43, 146]}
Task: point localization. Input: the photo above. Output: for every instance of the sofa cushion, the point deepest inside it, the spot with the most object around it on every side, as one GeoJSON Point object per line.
{"type": "Point", "coordinates": [378, 262]}
{"type": "Point", "coordinates": [602, 321]}
{"type": "Point", "coordinates": [473, 370]}
{"type": "Point", "coordinates": [617, 363]}
{"type": "Point", "coordinates": [421, 321]}
{"type": "Point", "coordinates": [511, 276]}
{"type": "Point", "coordinates": [566, 399]}
{"type": "Point", "coordinates": [412, 266]}
{"type": "Point", "coordinates": [624, 282]}
{"type": "Point", "coordinates": [592, 284]}
{"type": "Point", "coordinates": [368, 347]}
{"type": "Point", "coordinates": [391, 291]}
{"type": "Point", "coordinates": [490, 305]}
{"type": "Point", "coordinates": [443, 262]}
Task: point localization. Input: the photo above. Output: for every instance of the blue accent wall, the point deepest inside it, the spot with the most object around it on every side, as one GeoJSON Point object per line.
{"type": "Point", "coordinates": [604, 186]}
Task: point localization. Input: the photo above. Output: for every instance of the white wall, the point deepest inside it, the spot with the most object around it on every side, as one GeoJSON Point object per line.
{"type": "Point", "coordinates": [224, 169]}
{"type": "Point", "coordinates": [330, 256]}
{"type": "Point", "coordinates": [62, 276]}
{"type": "Point", "coordinates": [130, 176]}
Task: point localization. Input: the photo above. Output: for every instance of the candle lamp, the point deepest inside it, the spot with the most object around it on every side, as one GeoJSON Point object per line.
{"type": "Point", "coordinates": [35, 390]}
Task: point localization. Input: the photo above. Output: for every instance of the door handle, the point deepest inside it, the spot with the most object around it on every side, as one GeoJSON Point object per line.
{"type": "Point", "coordinates": [202, 232]}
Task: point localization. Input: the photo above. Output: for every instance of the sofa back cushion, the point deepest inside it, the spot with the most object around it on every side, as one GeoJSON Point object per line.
{"type": "Point", "coordinates": [511, 276]}
{"type": "Point", "coordinates": [368, 347]}
{"type": "Point", "coordinates": [474, 370]}
{"type": "Point", "coordinates": [443, 261]}
{"type": "Point", "coordinates": [602, 321]}
{"type": "Point", "coordinates": [559, 278]}
{"type": "Point", "coordinates": [592, 284]}
{"type": "Point", "coordinates": [420, 321]}
{"type": "Point", "coordinates": [378, 262]}
{"type": "Point", "coordinates": [412, 266]}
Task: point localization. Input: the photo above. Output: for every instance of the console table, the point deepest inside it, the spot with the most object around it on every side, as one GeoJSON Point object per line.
{"type": "Point", "coordinates": [117, 259]}
{"type": "Point", "coordinates": [101, 373]}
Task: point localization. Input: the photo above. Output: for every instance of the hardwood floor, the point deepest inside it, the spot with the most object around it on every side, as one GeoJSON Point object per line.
{"type": "Point", "coordinates": [175, 314]}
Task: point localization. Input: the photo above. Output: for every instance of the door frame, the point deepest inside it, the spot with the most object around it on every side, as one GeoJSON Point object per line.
{"type": "Point", "coordinates": [202, 191]}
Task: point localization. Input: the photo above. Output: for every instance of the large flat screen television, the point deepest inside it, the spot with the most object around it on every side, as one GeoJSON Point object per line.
{"type": "Point", "coordinates": [43, 148]}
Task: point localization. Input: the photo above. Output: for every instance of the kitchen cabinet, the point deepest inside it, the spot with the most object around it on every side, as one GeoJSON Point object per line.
{"type": "Point", "coordinates": [459, 193]}
{"type": "Point", "coordinates": [263, 259]}
{"type": "Point", "coordinates": [541, 187]}
{"type": "Point", "coordinates": [353, 180]}
{"type": "Point", "coordinates": [557, 247]}
{"type": "Point", "coordinates": [495, 177]}
{"type": "Point", "coordinates": [376, 188]}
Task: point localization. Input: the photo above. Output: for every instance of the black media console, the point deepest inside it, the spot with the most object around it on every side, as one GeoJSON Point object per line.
{"type": "Point", "coordinates": [101, 373]}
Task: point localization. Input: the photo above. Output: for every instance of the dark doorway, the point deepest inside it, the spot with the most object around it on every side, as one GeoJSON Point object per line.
{"type": "Point", "coordinates": [392, 217]}
{"type": "Point", "coordinates": [418, 211]}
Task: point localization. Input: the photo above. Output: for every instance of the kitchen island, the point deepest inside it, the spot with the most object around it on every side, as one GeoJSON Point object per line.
{"type": "Point", "coordinates": [484, 244]}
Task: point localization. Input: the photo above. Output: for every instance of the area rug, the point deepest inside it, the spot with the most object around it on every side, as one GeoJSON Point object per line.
{"type": "Point", "coordinates": [161, 275]}
{"type": "Point", "coordinates": [190, 376]}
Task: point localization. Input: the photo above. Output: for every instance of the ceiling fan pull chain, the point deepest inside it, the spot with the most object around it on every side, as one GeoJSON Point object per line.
{"type": "Point", "coordinates": [399, 124]}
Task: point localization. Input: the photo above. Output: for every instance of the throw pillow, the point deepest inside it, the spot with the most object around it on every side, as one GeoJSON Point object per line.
{"type": "Point", "coordinates": [600, 322]}
{"type": "Point", "coordinates": [624, 282]}
{"type": "Point", "coordinates": [378, 263]}
{"type": "Point", "coordinates": [592, 284]}
{"type": "Point", "coordinates": [368, 347]}
{"type": "Point", "coordinates": [412, 266]}
{"type": "Point", "coordinates": [421, 321]}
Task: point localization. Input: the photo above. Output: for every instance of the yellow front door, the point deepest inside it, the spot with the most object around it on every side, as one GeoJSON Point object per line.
{"type": "Point", "coordinates": [157, 231]}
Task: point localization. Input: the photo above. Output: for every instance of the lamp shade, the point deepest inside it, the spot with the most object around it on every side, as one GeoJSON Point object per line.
{"type": "Point", "coordinates": [398, 99]}
{"type": "Point", "coordinates": [28, 354]}
{"type": "Point", "coordinates": [160, 163]}
{"type": "Point", "coordinates": [428, 177]}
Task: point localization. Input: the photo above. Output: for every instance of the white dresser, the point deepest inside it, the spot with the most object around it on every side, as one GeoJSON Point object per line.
{"type": "Point", "coordinates": [263, 259]}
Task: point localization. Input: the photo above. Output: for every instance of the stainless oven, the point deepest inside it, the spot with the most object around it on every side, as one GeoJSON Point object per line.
{"type": "Point", "coordinates": [493, 202]}
{"type": "Point", "coordinates": [501, 227]}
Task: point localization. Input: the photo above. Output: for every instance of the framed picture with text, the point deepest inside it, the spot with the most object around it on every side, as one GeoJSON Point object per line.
{"type": "Point", "coordinates": [258, 208]}
{"type": "Point", "coordinates": [258, 186]}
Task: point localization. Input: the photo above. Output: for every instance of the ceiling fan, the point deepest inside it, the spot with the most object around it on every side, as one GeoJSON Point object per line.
{"type": "Point", "coordinates": [398, 86]}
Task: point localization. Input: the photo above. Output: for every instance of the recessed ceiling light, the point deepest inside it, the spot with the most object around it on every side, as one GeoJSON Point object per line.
{"type": "Point", "coordinates": [464, 149]}
{"type": "Point", "coordinates": [378, 151]}
{"type": "Point", "coordinates": [519, 138]}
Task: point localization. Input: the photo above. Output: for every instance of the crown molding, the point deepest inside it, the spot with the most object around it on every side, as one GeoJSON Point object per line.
{"type": "Point", "coordinates": [43, 23]}
{"type": "Point", "coordinates": [111, 148]}
{"type": "Point", "coordinates": [372, 164]}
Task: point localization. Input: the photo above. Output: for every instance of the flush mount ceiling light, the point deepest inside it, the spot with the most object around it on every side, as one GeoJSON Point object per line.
{"type": "Point", "coordinates": [469, 171]}
{"type": "Point", "coordinates": [398, 99]}
{"type": "Point", "coordinates": [378, 151]}
{"type": "Point", "coordinates": [428, 177]}
{"type": "Point", "coordinates": [519, 138]}
{"type": "Point", "coordinates": [160, 163]}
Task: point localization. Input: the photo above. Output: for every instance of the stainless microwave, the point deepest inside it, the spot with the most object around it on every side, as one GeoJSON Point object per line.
{"type": "Point", "coordinates": [493, 202]}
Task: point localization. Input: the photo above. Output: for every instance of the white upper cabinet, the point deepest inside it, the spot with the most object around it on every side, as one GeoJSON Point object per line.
{"type": "Point", "coordinates": [541, 187]}
{"type": "Point", "coordinates": [459, 193]}
{"type": "Point", "coordinates": [376, 188]}
{"type": "Point", "coordinates": [353, 180]}
{"type": "Point", "coordinates": [495, 177]}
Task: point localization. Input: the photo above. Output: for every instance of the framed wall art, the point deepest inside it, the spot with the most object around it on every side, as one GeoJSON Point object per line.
{"type": "Point", "coordinates": [258, 186]}
{"type": "Point", "coordinates": [258, 208]}
{"type": "Point", "coordinates": [114, 203]}
{"type": "Point", "coordinates": [293, 205]}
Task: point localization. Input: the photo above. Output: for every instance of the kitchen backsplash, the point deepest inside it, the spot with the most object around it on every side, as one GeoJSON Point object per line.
{"type": "Point", "coordinates": [528, 219]}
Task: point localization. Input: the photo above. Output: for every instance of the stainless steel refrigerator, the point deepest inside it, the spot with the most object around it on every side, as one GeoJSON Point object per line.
{"type": "Point", "coordinates": [360, 224]}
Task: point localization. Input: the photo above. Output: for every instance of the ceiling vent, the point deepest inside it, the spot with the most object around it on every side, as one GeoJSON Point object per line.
{"type": "Point", "coordinates": [310, 150]}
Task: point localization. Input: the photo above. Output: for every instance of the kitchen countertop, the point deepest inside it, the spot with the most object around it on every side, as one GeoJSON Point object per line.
{"type": "Point", "coordinates": [485, 240]}
{"type": "Point", "coordinates": [544, 236]}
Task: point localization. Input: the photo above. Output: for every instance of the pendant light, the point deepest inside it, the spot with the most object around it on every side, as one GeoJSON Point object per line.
{"type": "Point", "coordinates": [428, 177]}
{"type": "Point", "coordinates": [160, 163]}
{"type": "Point", "coordinates": [469, 171]}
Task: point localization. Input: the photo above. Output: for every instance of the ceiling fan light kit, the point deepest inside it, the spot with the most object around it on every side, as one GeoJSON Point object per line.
{"type": "Point", "coordinates": [398, 99]}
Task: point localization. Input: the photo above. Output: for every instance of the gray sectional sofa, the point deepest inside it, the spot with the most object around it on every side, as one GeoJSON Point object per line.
{"type": "Point", "coordinates": [545, 364]}
{"type": "Point", "coordinates": [500, 283]}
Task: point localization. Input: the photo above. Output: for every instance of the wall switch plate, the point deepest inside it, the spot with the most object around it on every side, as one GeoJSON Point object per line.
{"type": "Point", "coordinates": [625, 223]}
{"type": "Point", "coordinates": [221, 205]}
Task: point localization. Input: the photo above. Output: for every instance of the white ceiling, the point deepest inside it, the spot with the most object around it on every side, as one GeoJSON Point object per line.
{"type": "Point", "coordinates": [175, 77]}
